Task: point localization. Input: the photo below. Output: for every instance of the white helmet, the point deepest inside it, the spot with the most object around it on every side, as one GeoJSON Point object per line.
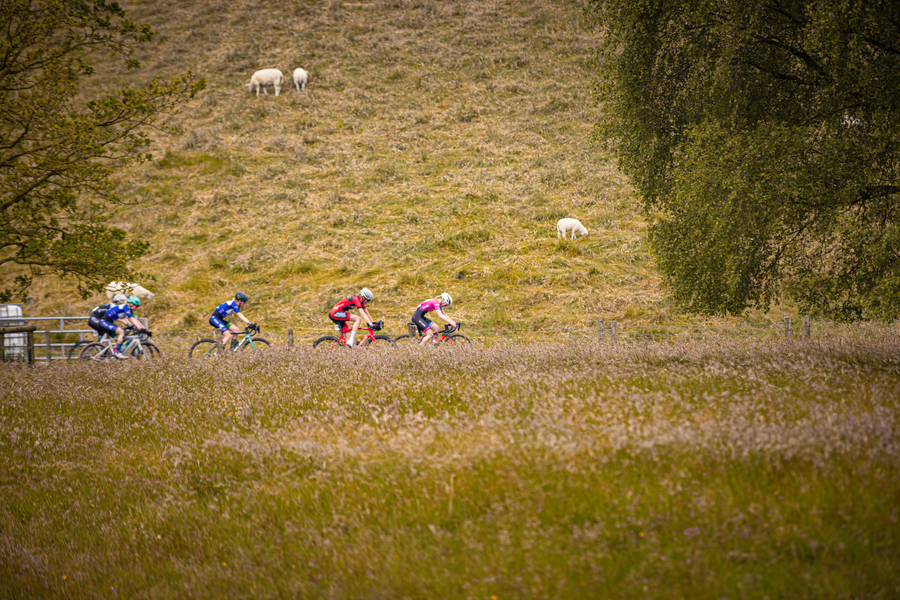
{"type": "Point", "coordinates": [120, 298]}
{"type": "Point", "coordinates": [446, 298]}
{"type": "Point", "coordinates": [365, 293]}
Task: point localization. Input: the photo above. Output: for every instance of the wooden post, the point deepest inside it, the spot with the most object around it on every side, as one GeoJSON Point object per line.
{"type": "Point", "coordinates": [2, 346]}
{"type": "Point", "coordinates": [29, 345]}
{"type": "Point", "coordinates": [49, 346]}
{"type": "Point", "coordinates": [219, 348]}
{"type": "Point", "coordinates": [787, 327]}
{"type": "Point", "coordinates": [806, 327]}
{"type": "Point", "coordinates": [600, 329]}
{"type": "Point", "coordinates": [290, 338]}
{"type": "Point", "coordinates": [413, 332]}
{"type": "Point", "coordinates": [614, 331]}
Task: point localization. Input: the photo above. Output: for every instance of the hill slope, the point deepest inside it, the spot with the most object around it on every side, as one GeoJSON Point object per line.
{"type": "Point", "coordinates": [434, 150]}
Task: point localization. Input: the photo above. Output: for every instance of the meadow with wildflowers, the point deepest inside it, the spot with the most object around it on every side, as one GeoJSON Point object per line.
{"type": "Point", "coordinates": [739, 469]}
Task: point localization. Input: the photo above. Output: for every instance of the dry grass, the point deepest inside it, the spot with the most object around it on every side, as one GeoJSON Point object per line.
{"type": "Point", "coordinates": [435, 148]}
{"type": "Point", "coordinates": [695, 470]}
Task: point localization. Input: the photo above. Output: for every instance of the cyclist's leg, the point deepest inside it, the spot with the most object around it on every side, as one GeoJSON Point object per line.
{"type": "Point", "coordinates": [226, 335]}
{"type": "Point", "coordinates": [430, 333]}
{"type": "Point", "coordinates": [356, 319]}
{"type": "Point", "coordinates": [222, 326]}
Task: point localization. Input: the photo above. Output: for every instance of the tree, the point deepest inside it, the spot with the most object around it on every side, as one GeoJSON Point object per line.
{"type": "Point", "coordinates": [59, 149]}
{"type": "Point", "coordinates": [764, 138]}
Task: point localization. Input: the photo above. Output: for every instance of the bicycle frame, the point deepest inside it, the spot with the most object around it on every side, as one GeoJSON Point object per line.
{"type": "Point", "coordinates": [370, 334]}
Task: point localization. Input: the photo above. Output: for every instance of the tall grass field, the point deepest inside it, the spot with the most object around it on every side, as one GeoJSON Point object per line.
{"type": "Point", "coordinates": [715, 469]}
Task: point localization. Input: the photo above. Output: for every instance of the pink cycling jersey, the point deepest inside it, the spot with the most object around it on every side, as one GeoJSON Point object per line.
{"type": "Point", "coordinates": [430, 305]}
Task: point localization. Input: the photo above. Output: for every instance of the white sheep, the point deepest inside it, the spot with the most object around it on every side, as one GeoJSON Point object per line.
{"type": "Point", "coordinates": [120, 287]}
{"type": "Point", "coordinates": [266, 78]}
{"type": "Point", "coordinates": [564, 226]}
{"type": "Point", "coordinates": [300, 79]}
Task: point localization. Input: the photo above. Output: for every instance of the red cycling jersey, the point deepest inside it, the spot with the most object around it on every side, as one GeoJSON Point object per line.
{"type": "Point", "coordinates": [348, 303]}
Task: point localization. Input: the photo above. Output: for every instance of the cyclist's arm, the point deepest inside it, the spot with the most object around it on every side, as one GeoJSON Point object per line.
{"type": "Point", "coordinates": [137, 324]}
{"type": "Point", "coordinates": [365, 313]}
{"type": "Point", "coordinates": [445, 316]}
{"type": "Point", "coordinates": [243, 318]}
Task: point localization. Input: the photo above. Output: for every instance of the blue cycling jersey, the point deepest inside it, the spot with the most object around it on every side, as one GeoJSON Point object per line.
{"type": "Point", "coordinates": [119, 311]}
{"type": "Point", "coordinates": [226, 308]}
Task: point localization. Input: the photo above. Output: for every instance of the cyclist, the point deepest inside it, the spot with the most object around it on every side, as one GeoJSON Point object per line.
{"type": "Point", "coordinates": [426, 325]}
{"type": "Point", "coordinates": [340, 314]}
{"type": "Point", "coordinates": [121, 311]}
{"type": "Point", "coordinates": [96, 316]}
{"type": "Point", "coordinates": [220, 316]}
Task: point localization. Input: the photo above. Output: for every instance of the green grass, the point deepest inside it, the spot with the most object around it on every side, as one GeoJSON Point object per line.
{"type": "Point", "coordinates": [701, 470]}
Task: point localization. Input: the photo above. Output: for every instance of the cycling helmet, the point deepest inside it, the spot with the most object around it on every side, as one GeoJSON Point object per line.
{"type": "Point", "coordinates": [365, 293]}
{"type": "Point", "coordinates": [446, 298]}
{"type": "Point", "coordinates": [241, 296]}
{"type": "Point", "coordinates": [120, 299]}
{"type": "Point", "coordinates": [134, 300]}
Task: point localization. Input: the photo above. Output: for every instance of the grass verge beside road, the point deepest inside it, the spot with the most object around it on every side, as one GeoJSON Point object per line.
{"type": "Point", "coordinates": [710, 469]}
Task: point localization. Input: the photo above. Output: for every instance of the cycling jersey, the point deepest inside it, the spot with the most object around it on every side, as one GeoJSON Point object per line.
{"type": "Point", "coordinates": [226, 308]}
{"type": "Point", "coordinates": [95, 321]}
{"type": "Point", "coordinates": [421, 321]}
{"type": "Point", "coordinates": [349, 303]}
{"type": "Point", "coordinates": [118, 311]}
{"type": "Point", "coordinates": [430, 305]}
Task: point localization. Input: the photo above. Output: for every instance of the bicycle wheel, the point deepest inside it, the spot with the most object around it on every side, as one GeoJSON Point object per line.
{"type": "Point", "coordinates": [77, 347]}
{"type": "Point", "coordinates": [327, 341]}
{"type": "Point", "coordinates": [95, 351]}
{"type": "Point", "coordinates": [456, 338]}
{"type": "Point", "coordinates": [146, 350]}
{"type": "Point", "coordinates": [380, 340]}
{"type": "Point", "coordinates": [260, 344]}
{"type": "Point", "coordinates": [204, 348]}
{"type": "Point", "coordinates": [403, 338]}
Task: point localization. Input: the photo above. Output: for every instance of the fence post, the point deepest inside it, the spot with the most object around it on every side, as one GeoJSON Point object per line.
{"type": "Point", "coordinates": [806, 327]}
{"type": "Point", "coordinates": [413, 333]}
{"type": "Point", "coordinates": [600, 329]}
{"type": "Point", "coordinates": [2, 346]}
{"type": "Point", "coordinates": [290, 338]}
{"type": "Point", "coordinates": [614, 327]}
{"type": "Point", "coordinates": [787, 327]}
{"type": "Point", "coordinates": [29, 347]}
{"type": "Point", "coordinates": [219, 348]}
{"type": "Point", "coordinates": [49, 346]}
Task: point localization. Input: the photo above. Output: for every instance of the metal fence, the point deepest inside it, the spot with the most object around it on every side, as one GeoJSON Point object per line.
{"type": "Point", "coordinates": [57, 335]}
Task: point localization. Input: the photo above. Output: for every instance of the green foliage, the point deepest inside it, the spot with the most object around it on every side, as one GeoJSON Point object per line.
{"type": "Point", "coordinates": [58, 150]}
{"type": "Point", "coordinates": [765, 140]}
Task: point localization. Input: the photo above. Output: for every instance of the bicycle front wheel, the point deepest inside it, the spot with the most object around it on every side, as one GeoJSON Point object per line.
{"type": "Point", "coordinates": [77, 347]}
{"type": "Point", "coordinates": [205, 348]}
{"type": "Point", "coordinates": [258, 344]}
{"type": "Point", "coordinates": [456, 339]}
{"type": "Point", "coordinates": [327, 341]}
{"type": "Point", "coordinates": [145, 350]}
{"type": "Point", "coordinates": [95, 351]}
{"type": "Point", "coordinates": [380, 340]}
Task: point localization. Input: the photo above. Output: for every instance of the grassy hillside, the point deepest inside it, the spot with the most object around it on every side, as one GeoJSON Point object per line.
{"type": "Point", "coordinates": [434, 149]}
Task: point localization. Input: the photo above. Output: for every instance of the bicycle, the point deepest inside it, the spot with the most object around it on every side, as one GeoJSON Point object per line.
{"type": "Point", "coordinates": [445, 336]}
{"type": "Point", "coordinates": [370, 339]}
{"type": "Point", "coordinates": [136, 345]}
{"type": "Point", "coordinates": [208, 347]}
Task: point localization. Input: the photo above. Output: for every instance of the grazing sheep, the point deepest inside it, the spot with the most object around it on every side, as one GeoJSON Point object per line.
{"type": "Point", "coordinates": [266, 78]}
{"type": "Point", "coordinates": [564, 226]}
{"type": "Point", "coordinates": [120, 287]}
{"type": "Point", "coordinates": [300, 79]}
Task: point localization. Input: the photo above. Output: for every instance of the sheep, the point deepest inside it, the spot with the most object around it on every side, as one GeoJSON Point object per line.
{"type": "Point", "coordinates": [300, 79]}
{"type": "Point", "coordinates": [564, 226]}
{"type": "Point", "coordinates": [120, 287]}
{"type": "Point", "coordinates": [266, 78]}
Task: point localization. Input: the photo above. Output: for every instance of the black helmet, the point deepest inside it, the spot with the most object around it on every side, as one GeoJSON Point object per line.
{"type": "Point", "coordinates": [241, 297]}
